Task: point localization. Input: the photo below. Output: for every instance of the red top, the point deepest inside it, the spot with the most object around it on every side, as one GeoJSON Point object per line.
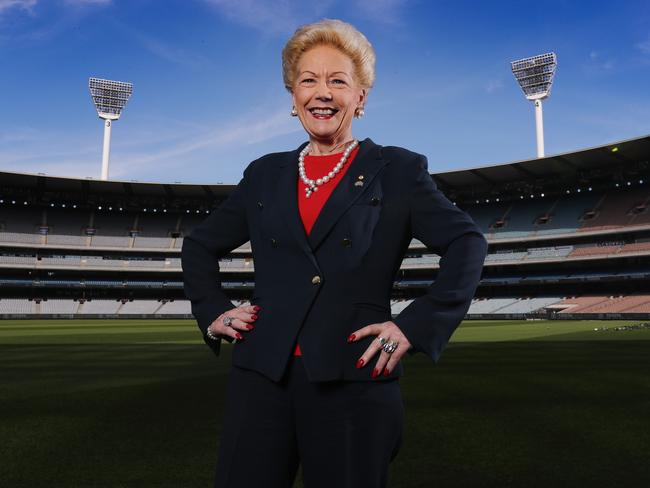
{"type": "Point", "coordinates": [309, 208]}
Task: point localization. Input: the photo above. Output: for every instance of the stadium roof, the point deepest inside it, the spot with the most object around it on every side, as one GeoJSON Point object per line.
{"type": "Point", "coordinates": [571, 163]}
{"type": "Point", "coordinates": [563, 165]}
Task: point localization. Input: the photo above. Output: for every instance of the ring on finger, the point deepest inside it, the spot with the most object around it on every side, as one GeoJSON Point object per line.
{"type": "Point", "coordinates": [227, 321]}
{"type": "Point", "coordinates": [389, 347]}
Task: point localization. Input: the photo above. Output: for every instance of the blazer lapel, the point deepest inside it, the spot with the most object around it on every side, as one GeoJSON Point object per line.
{"type": "Point", "coordinates": [287, 196]}
{"type": "Point", "coordinates": [367, 162]}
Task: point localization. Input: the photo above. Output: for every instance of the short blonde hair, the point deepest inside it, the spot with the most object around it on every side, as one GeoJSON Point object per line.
{"type": "Point", "coordinates": [334, 33]}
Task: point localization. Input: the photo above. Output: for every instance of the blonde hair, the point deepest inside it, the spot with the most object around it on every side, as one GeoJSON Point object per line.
{"type": "Point", "coordinates": [334, 33]}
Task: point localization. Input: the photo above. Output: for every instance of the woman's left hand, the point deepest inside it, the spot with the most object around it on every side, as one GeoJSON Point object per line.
{"type": "Point", "coordinates": [392, 333]}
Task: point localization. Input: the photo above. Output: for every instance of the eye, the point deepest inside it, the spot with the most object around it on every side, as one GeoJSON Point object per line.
{"type": "Point", "coordinates": [307, 80]}
{"type": "Point", "coordinates": [338, 81]}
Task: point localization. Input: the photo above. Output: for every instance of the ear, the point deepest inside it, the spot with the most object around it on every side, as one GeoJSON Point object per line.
{"type": "Point", "coordinates": [362, 98]}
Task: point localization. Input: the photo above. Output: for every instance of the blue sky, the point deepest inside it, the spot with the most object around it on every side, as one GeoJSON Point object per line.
{"type": "Point", "coordinates": [208, 93]}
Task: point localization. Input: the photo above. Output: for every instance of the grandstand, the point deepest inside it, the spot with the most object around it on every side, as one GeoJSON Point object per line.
{"type": "Point", "coordinates": [569, 237]}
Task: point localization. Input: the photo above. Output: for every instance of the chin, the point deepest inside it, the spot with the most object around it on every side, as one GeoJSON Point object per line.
{"type": "Point", "coordinates": [322, 135]}
{"type": "Point", "coordinates": [325, 132]}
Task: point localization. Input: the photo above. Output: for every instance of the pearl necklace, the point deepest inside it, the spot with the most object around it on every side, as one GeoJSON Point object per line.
{"type": "Point", "coordinates": [312, 185]}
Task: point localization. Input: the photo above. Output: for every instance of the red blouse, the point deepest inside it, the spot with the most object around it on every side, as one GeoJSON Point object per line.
{"type": "Point", "coordinates": [309, 208]}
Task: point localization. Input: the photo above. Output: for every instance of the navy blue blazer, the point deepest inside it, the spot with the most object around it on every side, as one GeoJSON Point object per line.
{"type": "Point", "coordinates": [318, 289]}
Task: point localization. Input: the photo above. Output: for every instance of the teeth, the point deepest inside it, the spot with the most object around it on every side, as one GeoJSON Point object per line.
{"type": "Point", "coordinates": [322, 111]}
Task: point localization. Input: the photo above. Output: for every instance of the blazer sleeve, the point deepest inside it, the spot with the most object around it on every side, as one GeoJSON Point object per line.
{"type": "Point", "coordinates": [224, 230]}
{"type": "Point", "coordinates": [429, 321]}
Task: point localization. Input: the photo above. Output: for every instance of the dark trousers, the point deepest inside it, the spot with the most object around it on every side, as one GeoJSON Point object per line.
{"type": "Point", "coordinates": [345, 434]}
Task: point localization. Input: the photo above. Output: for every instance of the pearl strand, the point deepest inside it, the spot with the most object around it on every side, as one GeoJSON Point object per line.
{"type": "Point", "coordinates": [312, 185]}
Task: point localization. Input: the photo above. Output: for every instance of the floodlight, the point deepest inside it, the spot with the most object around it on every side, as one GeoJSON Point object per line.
{"type": "Point", "coordinates": [109, 98]}
{"type": "Point", "coordinates": [535, 77]}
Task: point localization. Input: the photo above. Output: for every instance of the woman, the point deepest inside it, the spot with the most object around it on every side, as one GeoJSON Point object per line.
{"type": "Point", "coordinates": [316, 357]}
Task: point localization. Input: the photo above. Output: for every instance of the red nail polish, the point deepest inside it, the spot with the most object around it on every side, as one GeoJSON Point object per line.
{"type": "Point", "coordinates": [239, 336]}
{"type": "Point", "coordinates": [257, 308]}
{"type": "Point", "coordinates": [250, 327]}
{"type": "Point", "coordinates": [375, 373]}
{"type": "Point", "coordinates": [386, 371]}
{"type": "Point", "coordinates": [254, 317]}
{"type": "Point", "coordinates": [351, 338]}
{"type": "Point", "coordinates": [360, 363]}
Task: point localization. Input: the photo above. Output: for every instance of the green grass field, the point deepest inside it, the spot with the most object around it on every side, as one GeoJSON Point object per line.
{"type": "Point", "coordinates": [136, 403]}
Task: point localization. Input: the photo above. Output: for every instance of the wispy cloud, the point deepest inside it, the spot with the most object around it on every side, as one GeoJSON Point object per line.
{"type": "Point", "coordinates": [84, 3]}
{"type": "Point", "coordinates": [380, 11]}
{"type": "Point", "coordinates": [17, 134]}
{"type": "Point", "coordinates": [27, 5]}
{"type": "Point", "coordinates": [172, 54]}
{"type": "Point", "coordinates": [41, 155]}
{"type": "Point", "coordinates": [644, 46]}
{"type": "Point", "coordinates": [74, 168]}
{"type": "Point", "coordinates": [65, 15]}
{"type": "Point", "coordinates": [254, 128]}
{"type": "Point", "coordinates": [163, 50]}
{"type": "Point", "coordinates": [281, 16]}
{"type": "Point", "coordinates": [144, 152]}
{"type": "Point", "coordinates": [493, 85]}
{"type": "Point", "coordinates": [598, 62]}
{"type": "Point", "coordinates": [284, 16]}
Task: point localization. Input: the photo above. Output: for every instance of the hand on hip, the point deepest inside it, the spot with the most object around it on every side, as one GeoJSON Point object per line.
{"type": "Point", "coordinates": [391, 344]}
{"type": "Point", "coordinates": [234, 320]}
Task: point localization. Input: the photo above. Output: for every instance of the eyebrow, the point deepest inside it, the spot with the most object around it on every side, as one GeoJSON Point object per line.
{"type": "Point", "coordinates": [334, 73]}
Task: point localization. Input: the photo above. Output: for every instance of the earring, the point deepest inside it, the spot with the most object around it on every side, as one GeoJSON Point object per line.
{"type": "Point", "coordinates": [359, 112]}
{"type": "Point", "coordinates": [294, 112]}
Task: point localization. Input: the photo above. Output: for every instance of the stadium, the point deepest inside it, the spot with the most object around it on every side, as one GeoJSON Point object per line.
{"type": "Point", "coordinates": [107, 381]}
{"type": "Point", "coordinates": [569, 238]}
{"type": "Point", "coordinates": [548, 373]}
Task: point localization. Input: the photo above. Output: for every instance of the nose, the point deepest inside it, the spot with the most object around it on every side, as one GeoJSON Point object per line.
{"type": "Point", "coordinates": [323, 92]}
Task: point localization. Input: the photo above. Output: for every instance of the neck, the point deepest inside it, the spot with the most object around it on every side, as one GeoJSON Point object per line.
{"type": "Point", "coordinates": [319, 147]}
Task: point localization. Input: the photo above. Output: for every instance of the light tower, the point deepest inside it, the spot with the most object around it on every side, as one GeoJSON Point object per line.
{"type": "Point", "coordinates": [535, 77]}
{"type": "Point", "coordinates": [109, 98]}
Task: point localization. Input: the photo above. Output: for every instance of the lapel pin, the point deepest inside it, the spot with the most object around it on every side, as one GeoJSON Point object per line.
{"type": "Point", "coordinates": [359, 182]}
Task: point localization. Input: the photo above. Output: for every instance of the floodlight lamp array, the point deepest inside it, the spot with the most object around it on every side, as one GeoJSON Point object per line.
{"type": "Point", "coordinates": [535, 75]}
{"type": "Point", "coordinates": [109, 97]}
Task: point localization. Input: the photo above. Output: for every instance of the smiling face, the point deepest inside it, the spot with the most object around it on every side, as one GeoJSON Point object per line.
{"type": "Point", "coordinates": [326, 95]}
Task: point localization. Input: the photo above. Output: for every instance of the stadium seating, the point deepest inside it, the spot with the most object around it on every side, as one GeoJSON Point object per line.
{"type": "Point", "coordinates": [147, 307]}
{"type": "Point", "coordinates": [99, 306]}
{"type": "Point", "coordinates": [175, 307]}
{"type": "Point", "coordinates": [566, 213]}
{"type": "Point", "coordinates": [103, 250]}
{"type": "Point", "coordinates": [490, 305]}
{"type": "Point", "coordinates": [615, 210]}
{"type": "Point", "coordinates": [67, 222]}
{"type": "Point", "coordinates": [148, 230]}
{"type": "Point", "coordinates": [17, 306]}
{"type": "Point", "coordinates": [527, 304]}
{"type": "Point", "coordinates": [608, 304]}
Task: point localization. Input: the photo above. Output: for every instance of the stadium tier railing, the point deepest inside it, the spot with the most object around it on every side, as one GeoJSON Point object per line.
{"type": "Point", "coordinates": [243, 265]}
{"type": "Point", "coordinates": [636, 306]}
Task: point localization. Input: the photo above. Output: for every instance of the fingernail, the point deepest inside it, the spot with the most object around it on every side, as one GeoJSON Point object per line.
{"type": "Point", "coordinates": [257, 308]}
{"type": "Point", "coordinates": [360, 363]}
{"type": "Point", "coordinates": [375, 373]}
{"type": "Point", "coordinates": [239, 336]}
{"type": "Point", "coordinates": [351, 338]}
{"type": "Point", "coordinates": [386, 371]}
{"type": "Point", "coordinates": [250, 327]}
{"type": "Point", "coordinates": [254, 317]}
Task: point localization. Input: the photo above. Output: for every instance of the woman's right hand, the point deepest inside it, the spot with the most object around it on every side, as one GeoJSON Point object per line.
{"type": "Point", "coordinates": [243, 318]}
